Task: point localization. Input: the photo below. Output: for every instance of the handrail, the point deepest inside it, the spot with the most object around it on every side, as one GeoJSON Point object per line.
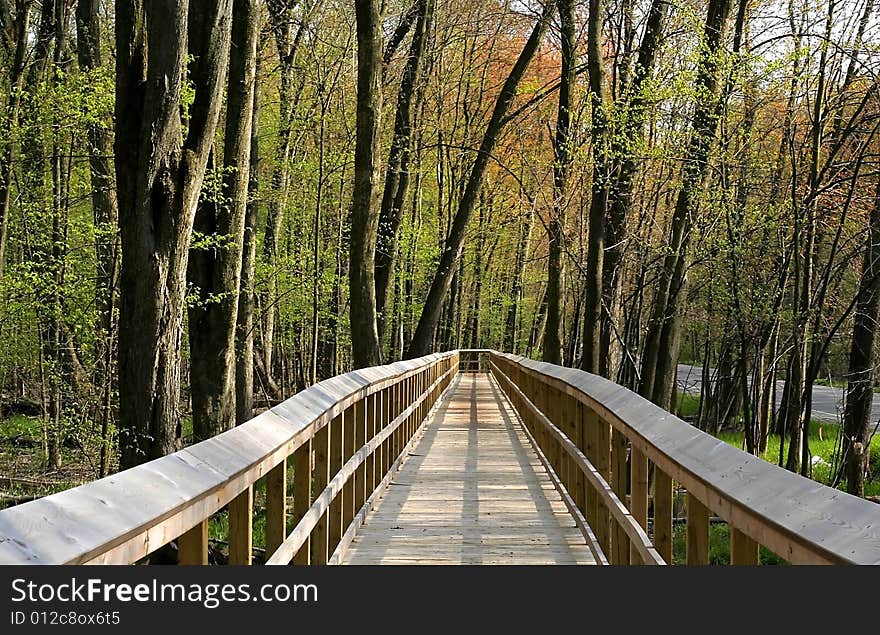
{"type": "Point", "coordinates": [127, 516]}
{"type": "Point", "coordinates": [799, 519]}
{"type": "Point", "coordinates": [347, 435]}
{"type": "Point", "coordinates": [639, 539]}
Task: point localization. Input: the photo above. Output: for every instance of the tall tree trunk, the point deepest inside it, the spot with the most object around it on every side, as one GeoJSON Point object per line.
{"type": "Point", "coordinates": [397, 172]}
{"type": "Point", "coordinates": [424, 335]}
{"type": "Point", "coordinates": [282, 19]}
{"type": "Point", "coordinates": [159, 174]}
{"type": "Point", "coordinates": [661, 345]}
{"type": "Point", "coordinates": [860, 376]}
{"type": "Point", "coordinates": [598, 190]}
{"type": "Point", "coordinates": [244, 341]}
{"type": "Point", "coordinates": [562, 151]}
{"type": "Point", "coordinates": [364, 214]}
{"type": "Point", "coordinates": [19, 30]}
{"type": "Point", "coordinates": [105, 209]}
{"type": "Point", "coordinates": [215, 269]}
{"type": "Point", "coordinates": [516, 290]}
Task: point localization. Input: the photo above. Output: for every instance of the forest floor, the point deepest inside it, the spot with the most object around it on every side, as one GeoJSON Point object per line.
{"type": "Point", "coordinates": [23, 472]}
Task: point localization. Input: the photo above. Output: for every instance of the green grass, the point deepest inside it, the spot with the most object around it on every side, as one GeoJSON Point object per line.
{"type": "Point", "coordinates": [823, 438]}
{"type": "Point", "coordinates": [688, 405]}
{"type": "Point", "coordinates": [21, 427]}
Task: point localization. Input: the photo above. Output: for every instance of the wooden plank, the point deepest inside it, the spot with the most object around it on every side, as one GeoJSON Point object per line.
{"type": "Point", "coordinates": [335, 527]}
{"type": "Point", "coordinates": [743, 550]}
{"type": "Point", "coordinates": [276, 507]}
{"type": "Point", "coordinates": [620, 542]}
{"type": "Point", "coordinates": [192, 547]}
{"type": "Point", "coordinates": [663, 511]}
{"type": "Point", "coordinates": [302, 494]}
{"type": "Point", "coordinates": [320, 478]}
{"type": "Point", "coordinates": [241, 529]}
{"type": "Point", "coordinates": [360, 422]}
{"type": "Point", "coordinates": [348, 450]}
{"type": "Point", "coordinates": [474, 473]}
{"type": "Point", "coordinates": [638, 492]}
{"type": "Point", "coordinates": [697, 531]}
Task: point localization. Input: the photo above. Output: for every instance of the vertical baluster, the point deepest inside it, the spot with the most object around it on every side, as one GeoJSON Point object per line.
{"type": "Point", "coordinates": [602, 463]}
{"type": "Point", "coordinates": [276, 507]}
{"type": "Point", "coordinates": [337, 449]}
{"type": "Point", "coordinates": [320, 477]}
{"type": "Point", "coordinates": [697, 531]}
{"type": "Point", "coordinates": [362, 476]}
{"type": "Point", "coordinates": [663, 509]}
{"type": "Point", "coordinates": [580, 440]}
{"type": "Point", "coordinates": [620, 548]}
{"type": "Point", "coordinates": [638, 504]}
{"type": "Point", "coordinates": [241, 535]}
{"type": "Point", "coordinates": [743, 550]}
{"type": "Point", "coordinates": [353, 419]}
{"type": "Point", "coordinates": [192, 547]}
{"type": "Point", "coordinates": [302, 493]}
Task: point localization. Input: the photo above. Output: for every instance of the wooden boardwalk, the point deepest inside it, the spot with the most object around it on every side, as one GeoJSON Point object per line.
{"type": "Point", "coordinates": [472, 491]}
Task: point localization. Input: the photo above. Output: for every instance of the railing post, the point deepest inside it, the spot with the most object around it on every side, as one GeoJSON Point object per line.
{"type": "Point", "coordinates": [337, 447]}
{"type": "Point", "coordinates": [620, 553]}
{"type": "Point", "coordinates": [302, 493]}
{"type": "Point", "coordinates": [192, 547]}
{"type": "Point", "coordinates": [361, 422]}
{"type": "Point", "coordinates": [663, 509]}
{"type": "Point", "coordinates": [743, 550]}
{"type": "Point", "coordinates": [241, 535]}
{"type": "Point", "coordinates": [601, 434]}
{"type": "Point", "coordinates": [353, 420]}
{"type": "Point", "coordinates": [697, 531]}
{"type": "Point", "coordinates": [372, 416]}
{"type": "Point", "coordinates": [580, 440]}
{"type": "Point", "coordinates": [320, 478]}
{"type": "Point", "coordinates": [638, 504]}
{"type": "Point", "coordinates": [276, 507]}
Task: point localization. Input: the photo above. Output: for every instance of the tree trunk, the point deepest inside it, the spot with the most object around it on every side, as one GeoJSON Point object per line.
{"type": "Point", "coordinates": [244, 341]}
{"type": "Point", "coordinates": [424, 335]}
{"type": "Point", "coordinates": [562, 151]}
{"type": "Point", "coordinates": [598, 191]}
{"type": "Point", "coordinates": [661, 345]}
{"type": "Point", "coordinates": [397, 173]}
{"type": "Point", "coordinates": [860, 377]}
{"type": "Point", "coordinates": [364, 214]}
{"type": "Point", "coordinates": [105, 209]}
{"type": "Point", "coordinates": [516, 291]}
{"type": "Point", "coordinates": [215, 269]}
{"type": "Point", "coordinates": [625, 154]}
{"type": "Point", "coordinates": [159, 175]}
{"type": "Point", "coordinates": [20, 28]}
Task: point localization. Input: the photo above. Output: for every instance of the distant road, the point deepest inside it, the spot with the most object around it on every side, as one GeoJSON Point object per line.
{"type": "Point", "coordinates": [827, 401]}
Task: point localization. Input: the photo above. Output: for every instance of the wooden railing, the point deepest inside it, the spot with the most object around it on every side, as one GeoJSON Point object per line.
{"type": "Point", "coordinates": [343, 438]}
{"type": "Point", "coordinates": [613, 455]}
{"type": "Point", "coordinates": [608, 448]}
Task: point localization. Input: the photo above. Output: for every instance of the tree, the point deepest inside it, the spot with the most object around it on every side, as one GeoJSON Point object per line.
{"type": "Point", "coordinates": [160, 165]}
{"type": "Point", "coordinates": [364, 214]}
{"type": "Point", "coordinates": [562, 151]}
{"type": "Point", "coordinates": [423, 337]}
{"type": "Point", "coordinates": [215, 266]}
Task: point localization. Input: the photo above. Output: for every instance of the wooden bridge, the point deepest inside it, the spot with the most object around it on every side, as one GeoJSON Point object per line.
{"type": "Point", "coordinates": [465, 457]}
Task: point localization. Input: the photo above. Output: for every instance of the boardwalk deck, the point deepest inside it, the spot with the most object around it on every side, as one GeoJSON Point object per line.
{"type": "Point", "coordinates": [471, 492]}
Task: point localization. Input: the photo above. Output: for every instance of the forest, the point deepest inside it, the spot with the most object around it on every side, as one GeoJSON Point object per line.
{"type": "Point", "coordinates": [207, 206]}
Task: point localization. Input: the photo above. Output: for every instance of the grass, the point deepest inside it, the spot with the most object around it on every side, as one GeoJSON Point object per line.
{"type": "Point", "coordinates": [822, 436]}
